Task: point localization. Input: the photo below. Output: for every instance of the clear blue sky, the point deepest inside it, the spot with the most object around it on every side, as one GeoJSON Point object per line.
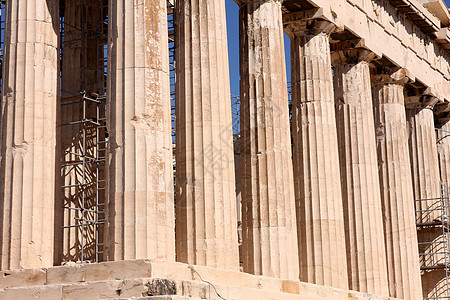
{"type": "Point", "coordinates": [233, 44]}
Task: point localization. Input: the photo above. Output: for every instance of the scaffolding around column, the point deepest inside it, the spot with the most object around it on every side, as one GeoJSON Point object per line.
{"type": "Point", "coordinates": [171, 35]}
{"type": "Point", "coordinates": [171, 40]}
{"type": "Point", "coordinates": [2, 40]}
{"type": "Point", "coordinates": [432, 215]}
{"type": "Point", "coordinates": [84, 121]}
{"type": "Point", "coordinates": [235, 111]}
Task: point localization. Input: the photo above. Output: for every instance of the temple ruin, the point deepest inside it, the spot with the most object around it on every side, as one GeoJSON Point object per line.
{"type": "Point", "coordinates": [129, 171]}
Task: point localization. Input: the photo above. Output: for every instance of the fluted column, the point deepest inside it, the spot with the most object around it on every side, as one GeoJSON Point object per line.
{"type": "Point", "coordinates": [443, 150]}
{"type": "Point", "coordinates": [426, 187]}
{"type": "Point", "coordinates": [320, 218]}
{"type": "Point", "coordinates": [268, 202]}
{"type": "Point", "coordinates": [423, 150]}
{"type": "Point", "coordinates": [140, 215]}
{"type": "Point", "coordinates": [396, 185]}
{"type": "Point", "coordinates": [206, 223]}
{"type": "Point", "coordinates": [28, 139]}
{"type": "Point", "coordinates": [366, 257]}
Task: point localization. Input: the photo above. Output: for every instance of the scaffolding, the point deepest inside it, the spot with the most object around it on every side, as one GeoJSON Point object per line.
{"type": "Point", "coordinates": [171, 35]}
{"type": "Point", "coordinates": [434, 249]}
{"type": "Point", "coordinates": [2, 39]}
{"type": "Point", "coordinates": [171, 40]}
{"type": "Point", "coordinates": [235, 111]}
{"type": "Point", "coordinates": [83, 126]}
{"type": "Point", "coordinates": [236, 107]}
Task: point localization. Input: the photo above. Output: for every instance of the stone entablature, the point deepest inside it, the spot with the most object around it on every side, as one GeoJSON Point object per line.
{"type": "Point", "coordinates": [438, 8]}
{"type": "Point", "coordinates": [390, 34]}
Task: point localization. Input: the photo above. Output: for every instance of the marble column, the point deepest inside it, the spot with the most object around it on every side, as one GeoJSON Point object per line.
{"type": "Point", "coordinates": [28, 134]}
{"type": "Point", "coordinates": [423, 151]}
{"type": "Point", "coordinates": [396, 184]}
{"type": "Point", "coordinates": [443, 150]}
{"type": "Point", "coordinates": [140, 213]}
{"type": "Point", "coordinates": [268, 201]}
{"type": "Point", "coordinates": [206, 223]}
{"type": "Point", "coordinates": [426, 187]}
{"type": "Point", "coordinates": [366, 256]}
{"type": "Point", "coordinates": [320, 219]}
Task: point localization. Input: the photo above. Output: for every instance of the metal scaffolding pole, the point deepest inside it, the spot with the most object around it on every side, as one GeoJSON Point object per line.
{"type": "Point", "coordinates": [2, 39]}
{"type": "Point", "coordinates": [171, 39]}
{"type": "Point", "coordinates": [434, 253]}
{"type": "Point", "coordinates": [83, 161]}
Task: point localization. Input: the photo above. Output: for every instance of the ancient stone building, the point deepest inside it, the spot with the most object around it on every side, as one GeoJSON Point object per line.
{"type": "Point", "coordinates": [123, 174]}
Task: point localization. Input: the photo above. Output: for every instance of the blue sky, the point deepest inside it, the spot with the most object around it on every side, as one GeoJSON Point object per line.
{"type": "Point", "coordinates": [233, 44]}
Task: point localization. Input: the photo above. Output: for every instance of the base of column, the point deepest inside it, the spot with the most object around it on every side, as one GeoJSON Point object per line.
{"type": "Point", "coordinates": [149, 279]}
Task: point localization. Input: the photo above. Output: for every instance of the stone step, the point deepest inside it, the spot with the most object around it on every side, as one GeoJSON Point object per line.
{"type": "Point", "coordinates": [130, 279]}
{"type": "Point", "coordinates": [144, 289]}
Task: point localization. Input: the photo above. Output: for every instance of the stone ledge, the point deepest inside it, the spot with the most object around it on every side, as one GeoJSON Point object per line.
{"type": "Point", "coordinates": [133, 279]}
{"type": "Point", "coordinates": [138, 288]}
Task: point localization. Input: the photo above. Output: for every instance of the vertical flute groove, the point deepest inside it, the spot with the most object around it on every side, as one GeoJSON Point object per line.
{"type": "Point", "coordinates": [320, 219]}
{"type": "Point", "coordinates": [140, 214]}
{"type": "Point", "coordinates": [268, 204]}
{"type": "Point", "coordinates": [28, 136]}
{"type": "Point", "coordinates": [366, 257]}
{"type": "Point", "coordinates": [396, 189]}
{"type": "Point", "coordinates": [206, 221]}
{"type": "Point", "coordinates": [425, 176]}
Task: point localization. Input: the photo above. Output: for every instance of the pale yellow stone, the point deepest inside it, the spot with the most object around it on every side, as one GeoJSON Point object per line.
{"type": "Point", "coordinates": [426, 185]}
{"type": "Point", "coordinates": [320, 219]}
{"type": "Point", "coordinates": [117, 270]}
{"type": "Point", "coordinates": [140, 213]}
{"type": "Point", "coordinates": [100, 284]}
{"type": "Point", "coordinates": [36, 292]}
{"type": "Point", "coordinates": [267, 186]}
{"type": "Point", "coordinates": [28, 134]}
{"type": "Point", "coordinates": [206, 223]}
{"type": "Point", "coordinates": [24, 277]}
{"type": "Point", "coordinates": [396, 36]}
{"type": "Point", "coordinates": [400, 233]}
{"type": "Point", "coordinates": [366, 256]}
{"type": "Point", "coordinates": [104, 289]}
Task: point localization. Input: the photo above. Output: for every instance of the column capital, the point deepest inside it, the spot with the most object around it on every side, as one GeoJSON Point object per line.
{"type": "Point", "coordinates": [309, 22]}
{"type": "Point", "coordinates": [417, 99]}
{"type": "Point", "coordinates": [390, 75]}
{"type": "Point", "coordinates": [350, 52]}
{"type": "Point", "coordinates": [309, 28]}
{"type": "Point", "coordinates": [442, 119]}
{"type": "Point", "coordinates": [244, 2]}
{"type": "Point", "coordinates": [442, 113]}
